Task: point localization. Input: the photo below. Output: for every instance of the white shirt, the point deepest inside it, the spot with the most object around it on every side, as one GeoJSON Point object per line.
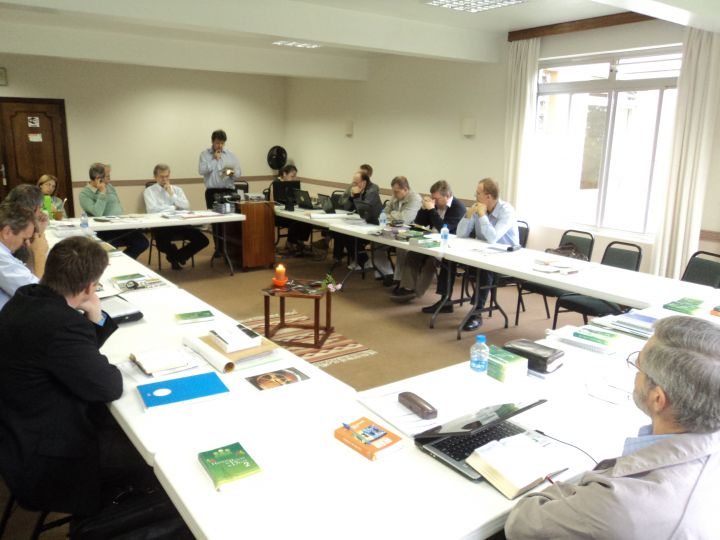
{"type": "Point", "coordinates": [158, 200]}
{"type": "Point", "coordinates": [13, 275]}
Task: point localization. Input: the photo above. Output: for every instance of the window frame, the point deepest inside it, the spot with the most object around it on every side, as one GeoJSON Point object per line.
{"type": "Point", "coordinates": [612, 87]}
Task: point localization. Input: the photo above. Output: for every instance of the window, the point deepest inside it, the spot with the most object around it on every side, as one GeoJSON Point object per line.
{"type": "Point", "coordinates": [602, 139]}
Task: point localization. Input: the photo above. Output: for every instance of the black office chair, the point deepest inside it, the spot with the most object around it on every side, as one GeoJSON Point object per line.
{"type": "Point", "coordinates": [583, 243]}
{"type": "Point", "coordinates": [703, 268]}
{"type": "Point", "coordinates": [153, 242]}
{"type": "Point", "coordinates": [242, 185]}
{"type": "Point", "coordinates": [617, 254]}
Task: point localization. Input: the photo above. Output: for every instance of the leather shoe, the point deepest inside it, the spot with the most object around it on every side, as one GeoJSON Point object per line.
{"type": "Point", "coordinates": [175, 264]}
{"type": "Point", "coordinates": [402, 295]}
{"type": "Point", "coordinates": [473, 323]}
{"type": "Point", "coordinates": [447, 308]}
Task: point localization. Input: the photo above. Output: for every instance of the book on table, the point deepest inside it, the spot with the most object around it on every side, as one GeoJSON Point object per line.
{"type": "Point", "coordinates": [227, 464]}
{"type": "Point", "coordinates": [515, 465]}
{"type": "Point", "coordinates": [686, 306]}
{"type": "Point", "coordinates": [131, 282]}
{"type": "Point", "coordinates": [165, 360]}
{"type": "Point", "coordinates": [368, 438]}
{"type": "Point", "coordinates": [203, 315]}
{"type": "Point", "coordinates": [225, 362]}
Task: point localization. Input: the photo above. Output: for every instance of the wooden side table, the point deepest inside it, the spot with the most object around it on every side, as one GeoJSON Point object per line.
{"type": "Point", "coordinates": [317, 295]}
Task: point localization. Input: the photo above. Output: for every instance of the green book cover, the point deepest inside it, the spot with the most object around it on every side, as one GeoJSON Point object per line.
{"type": "Point", "coordinates": [228, 463]}
{"type": "Point", "coordinates": [688, 306]}
{"type": "Point", "coordinates": [194, 316]}
{"type": "Point", "coordinates": [506, 366]}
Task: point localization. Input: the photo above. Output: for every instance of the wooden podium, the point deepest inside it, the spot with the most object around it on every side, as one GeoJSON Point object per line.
{"type": "Point", "coordinates": [252, 242]}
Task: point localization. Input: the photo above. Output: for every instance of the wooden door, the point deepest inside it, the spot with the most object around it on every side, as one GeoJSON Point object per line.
{"type": "Point", "coordinates": [33, 142]}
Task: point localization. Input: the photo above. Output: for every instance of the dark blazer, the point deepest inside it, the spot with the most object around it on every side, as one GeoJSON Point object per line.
{"type": "Point", "coordinates": [453, 215]}
{"type": "Point", "coordinates": [53, 380]}
{"type": "Point", "coordinates": [370, 195]}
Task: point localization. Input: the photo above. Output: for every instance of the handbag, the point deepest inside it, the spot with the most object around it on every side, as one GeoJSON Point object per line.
{"type": "Point", "coordinates": [568, 250]}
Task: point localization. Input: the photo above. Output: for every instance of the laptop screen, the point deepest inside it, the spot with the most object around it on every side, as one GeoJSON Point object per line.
{"type": "Point", "coordinates": [487, 416]}
{"type": "Point", "coordinates": [281, 190]}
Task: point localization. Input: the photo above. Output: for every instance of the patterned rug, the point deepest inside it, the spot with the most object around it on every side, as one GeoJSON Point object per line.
{"type": "Point", "coordinates": [336, 349]}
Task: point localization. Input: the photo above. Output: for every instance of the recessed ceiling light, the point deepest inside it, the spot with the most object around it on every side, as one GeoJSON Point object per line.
{"type": "Point", "coordinates": [473, 6]}
{"type": "Point", "coordinates": [297, 44]}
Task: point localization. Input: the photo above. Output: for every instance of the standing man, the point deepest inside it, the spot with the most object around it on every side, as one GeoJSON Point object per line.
{"type": "Point", "coordinates": [164, 197]}
{"type": "Point", "coordinates": [219, 168]}
{"type": "Point", "coordinates": [99, 198]}
{"type": "Point", "coordinates": [58, 443]}
{"type": "Point", "coordinates": [17, 225]}
{"type": "Point", "coordinates": [493, 221]}
{"type": "Point", "coordinates": [665, 484]}
{"type": "Point", "coordinates": [439, 209]}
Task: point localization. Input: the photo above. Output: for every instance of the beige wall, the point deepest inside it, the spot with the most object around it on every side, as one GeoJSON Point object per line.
{"type": "Point", "coordinates": [134, 117]}
{"type": "Point", "coordinates": [407, 119]}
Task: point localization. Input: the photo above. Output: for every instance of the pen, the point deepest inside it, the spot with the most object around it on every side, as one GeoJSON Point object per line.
{"type": "Point", "coordinates": [354, 433]}
{"type": "Point", "coordinates": [550, 476]}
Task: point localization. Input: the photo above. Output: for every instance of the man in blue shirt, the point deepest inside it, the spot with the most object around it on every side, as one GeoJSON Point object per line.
{"type": "Point", "coordinates": [492, 220]}
{"type": "Point", "coordinates": [219, 168]}
{"type": "Point", "coordinates": [17, 225]}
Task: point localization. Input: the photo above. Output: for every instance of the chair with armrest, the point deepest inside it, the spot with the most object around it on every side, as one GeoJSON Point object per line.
{"type": "Point", "coordinates": [703, 268]}
{"type": "Point", "coordinates": [583, 243]}
{"type": "Point", "coordinates": [617, 254]}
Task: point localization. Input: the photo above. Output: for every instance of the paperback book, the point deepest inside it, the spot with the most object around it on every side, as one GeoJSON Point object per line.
{"type": "Point", "coordinates": [687, 306]}
{"type": "Point", "coordinates": [194, 316]}
{"type": "Point", "coordinates": [506, 366]}
{"type": "Point", "coordinates": [368, 438]}
{"type": "Point", "coordinates": [193, 387]}
{"type": "Point", "coordinates": [517, 464]}
{"type": "Point", "coordinates": [227, 464]}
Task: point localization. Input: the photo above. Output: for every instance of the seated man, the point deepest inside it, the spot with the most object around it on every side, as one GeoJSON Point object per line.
{"type": "Point", "coordinates": [17, 225]}
{"type": "Point", "coordinates": [298, 232]}
{"type": "Point", "coordinates": [164, 197]}
{"type": "Point", "coordinates": [58, 443]}
{"type": "Point", "coordinates": [492, 220]}
{"type": "Point", "coordinates": [34, 253]}
{"type": "Point", "coordinates": [99, 198]}
{"type": "Point", "coordinates": [401, 208]}
{"type": "Point", "coordinates": [361, 190]}
{"type": "Point", "coordinates": [665, 484]}
{"type": "Point", "coordinates": [441, 208]}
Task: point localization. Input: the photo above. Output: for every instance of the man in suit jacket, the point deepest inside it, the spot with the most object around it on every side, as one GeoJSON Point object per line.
{"type": "Point", "coordinates": [439, 209]}
{"type": "Point", "coordinates": [55, 449]}
{"type": "Point", "coordinates": [666, 483]}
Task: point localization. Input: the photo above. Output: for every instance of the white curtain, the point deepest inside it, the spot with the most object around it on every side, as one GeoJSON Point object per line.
{"type": "Point", "coordinates": [697, 110]}
{"type": "Point", "coordinates": [520, 110]}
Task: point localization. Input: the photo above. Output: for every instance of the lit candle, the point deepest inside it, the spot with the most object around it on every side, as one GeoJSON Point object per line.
{"type": "Point", "coordinates": [279, 272]}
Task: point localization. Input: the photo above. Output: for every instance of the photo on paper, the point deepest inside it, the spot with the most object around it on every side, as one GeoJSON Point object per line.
{"type": "Point", "coordinates": [280, 377]}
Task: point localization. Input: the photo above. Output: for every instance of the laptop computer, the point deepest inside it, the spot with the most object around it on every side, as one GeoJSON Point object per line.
{"type": "Point", "coordinates": [453, 442]}
{"type": "Point", "coordinates": [303, 200]}
{"type": "Point", "coordinates": [281, 190]}
{"type": "Point", "coordinates": [325, 203]}
{"type": "Point", "coordinates": [366, 211]}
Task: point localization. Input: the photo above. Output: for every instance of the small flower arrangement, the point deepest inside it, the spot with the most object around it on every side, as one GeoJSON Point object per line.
{"type": "Point", "coordinates": [329, 283]}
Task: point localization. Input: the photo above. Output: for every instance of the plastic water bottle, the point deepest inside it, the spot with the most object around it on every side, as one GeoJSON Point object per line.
{"type": "Point", "coordinates": [479, 354]}
{"type": "Point", "coordinates": [84, 224]}
{"type": "Point", "coordinates": [382, 219]}
{"type": "Point", "coordinates": [444, 236]}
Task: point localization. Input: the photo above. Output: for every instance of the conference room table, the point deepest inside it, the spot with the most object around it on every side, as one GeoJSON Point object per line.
{"type": "Point", "coordinates": [154, 221]}
{"type": "Point", "coordinates": [313, 486]}
{"type": "Point", "coordinates": [625, 287]}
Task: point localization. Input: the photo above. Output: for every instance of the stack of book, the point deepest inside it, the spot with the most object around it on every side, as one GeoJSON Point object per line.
{"type": "Point", "coordinates": [506, 366]}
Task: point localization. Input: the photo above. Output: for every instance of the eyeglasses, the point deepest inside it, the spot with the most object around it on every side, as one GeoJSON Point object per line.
{"type": "Point", "coordinates": [632, 360]}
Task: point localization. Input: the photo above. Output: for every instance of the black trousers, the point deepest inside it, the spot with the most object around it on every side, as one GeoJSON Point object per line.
{"type": "Point", "coordinates": [486, 279]}
{"type": "Point", "coordinates": [134, 241]}
{"type": "Point", "coordinates": [165, 236]}
{"type": "Point", "coordinates": [209, 200]}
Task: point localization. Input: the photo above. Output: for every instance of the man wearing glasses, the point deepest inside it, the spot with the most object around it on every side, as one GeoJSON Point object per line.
{"type": "Point", "coordinates": [667, 482]}
{"type": "Point", "coordinates": [98, 199]}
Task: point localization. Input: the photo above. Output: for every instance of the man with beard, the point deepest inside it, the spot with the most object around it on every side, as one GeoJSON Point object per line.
{"type": "Point", "coordinates": [667, 482]}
